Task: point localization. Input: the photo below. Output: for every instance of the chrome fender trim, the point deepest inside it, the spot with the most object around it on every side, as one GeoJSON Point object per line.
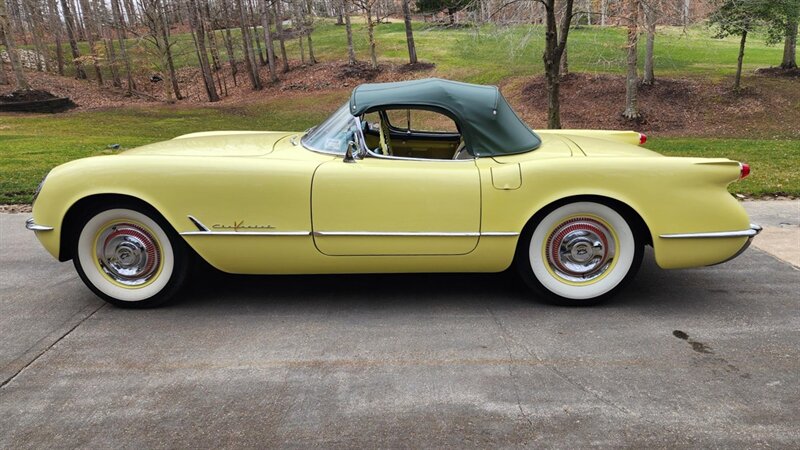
{"type": "Point", "coordinates": [31, 225]}
{"type": "Point", "coordinates": [752, 232]}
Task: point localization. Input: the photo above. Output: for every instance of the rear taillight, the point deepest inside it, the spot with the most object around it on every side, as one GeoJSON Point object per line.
{"type": "Point", "coordinates": [744, 170]}
{"type": "Point", "coordinates": [642, 138]}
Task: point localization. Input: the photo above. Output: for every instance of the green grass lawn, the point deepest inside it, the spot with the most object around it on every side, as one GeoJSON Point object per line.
{"type": "Point", "coordinates": [489, 53]}
{"type": "Point", "coordinates": [31, 145]}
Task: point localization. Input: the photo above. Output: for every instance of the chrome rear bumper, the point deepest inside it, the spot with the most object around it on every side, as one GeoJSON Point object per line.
{"type": "Point", "coordinates": [31, 225]}
{"type": "Point", "coordinates": [750, 233]}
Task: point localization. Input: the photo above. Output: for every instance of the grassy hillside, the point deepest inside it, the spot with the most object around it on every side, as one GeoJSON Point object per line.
{"type": "Point", "coordinates": [30, 145]}
{"type": "Point", "coordinates": [487, 54]}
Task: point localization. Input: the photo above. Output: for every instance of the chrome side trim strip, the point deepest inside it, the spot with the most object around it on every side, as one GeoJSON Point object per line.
{"type": "Point", "coordinates": [30, 225]}
{"type": "Point", "coordinates": [415, 233]}
{"type": "Point", "coordinates": [198, 224]}
{"type": "Point", "coordinates": [754, 230]}
{"type": "Point", "coordinates": [397, 233]}
{"type": "Point", "coordinates": [351, 233]}
{"type": "Point", "coordinates": [246, 233]}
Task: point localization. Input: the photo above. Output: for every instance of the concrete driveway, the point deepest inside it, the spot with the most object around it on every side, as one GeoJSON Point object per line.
{"type": "Point", "coordinates": [704, 357]}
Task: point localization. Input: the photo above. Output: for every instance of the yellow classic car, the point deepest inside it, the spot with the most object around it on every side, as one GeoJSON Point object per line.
{"type": "Point", "coordinates": [418, 176]}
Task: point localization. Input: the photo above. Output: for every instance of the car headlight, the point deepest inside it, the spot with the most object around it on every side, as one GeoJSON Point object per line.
{"type": "Point", "coordinates": [38, 189]}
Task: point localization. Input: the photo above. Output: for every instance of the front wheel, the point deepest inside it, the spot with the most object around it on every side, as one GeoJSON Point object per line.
{"type": "Point", "coordinates": [129, 257]}
{"type": "Point", "coordinates": [579, 254]}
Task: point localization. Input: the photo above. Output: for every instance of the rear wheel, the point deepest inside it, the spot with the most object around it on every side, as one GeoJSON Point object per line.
{"type": "Point", "coordinates": [129, 256]}
{"type": "Point", "coordinates": [580, 254]}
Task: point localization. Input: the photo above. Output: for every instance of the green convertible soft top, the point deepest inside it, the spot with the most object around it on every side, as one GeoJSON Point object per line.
{"type": "Point", "coordinates": [488, 124]}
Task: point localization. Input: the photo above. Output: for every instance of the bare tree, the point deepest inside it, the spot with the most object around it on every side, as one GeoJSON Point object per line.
{"type": "Point", "coordinates": [199, 35]}
{"type": "Point", "coordinates": [69, 21]}
{"type": "Point", "coordinates": [91, 36]}
{"type": "Point", "coordinates": [632, 79]}
{"type": "Point", "coordinates": [368, 6]}
{"type": "Point", "coordinates": [412, 49]}
{"type": "Point", "coordinates": [308, 26]}
{"type": "Point", "coordinates": [265, 25]}
{"type": "Point", "coordinates": [281, 37]}
{"type": "Point", "coordinates": [351, 53]}
{"type": "Point", "coordinates": [555, 44]}
{"type": "Point", "coordinates": [116, 11]}
{"type": "Point", "coordinates": [650, 9]}
{"type": "Point", "coordinates": [55, 30]}
{"type": "Point", "coordinates": [11, 49]}
{"type": "Point", "coordinates": [247, 44]}
{"type": "Point", "coordinates": [229, 40]}
{"type": "Point", "coordinates": [154, 18]}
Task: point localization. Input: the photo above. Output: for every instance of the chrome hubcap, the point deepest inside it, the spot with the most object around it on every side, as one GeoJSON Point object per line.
{"type": "Point", "coordinates": [128, 254]}
{"type": "Point", "coordinates": [580, 249]}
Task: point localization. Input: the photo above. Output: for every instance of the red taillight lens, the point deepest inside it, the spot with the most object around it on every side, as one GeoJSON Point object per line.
{"type": "Point", "coordinates": [642, 138]}
{"type": "Point", "coordinates": [744, 170]}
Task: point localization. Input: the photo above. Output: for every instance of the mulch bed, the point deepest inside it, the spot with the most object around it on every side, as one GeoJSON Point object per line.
{"type": "Point", "coordinates": [681, 106]}
{"type": "Point", "coordinates": [777, 72]}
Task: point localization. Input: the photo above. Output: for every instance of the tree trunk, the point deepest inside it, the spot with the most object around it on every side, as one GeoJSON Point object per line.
{"type": "Point", "coordinates": [790, 46]}
{"type": "Point", "coordinates": [279, 31]}
{"type": "Point", "coordinates": [553, 52]}
{"type": "Point", "coordinates": [116, 11]}
{"type": "Point", "coordinates": [632, 80]}
{"type": "Point", "coordinates": [309, 26]}
{"type": "Point", "coordinates": [737, 82]}
{"type": "Point", "coordinates": [202, 54]}
{"type": "Point", "coordinates": [260, 51]}
{"type": "Point", "coordinates": [371, 32]}
{"type": "Point", "coordinates": [3, 77]}
{"type": "Point", "coordinates": [265, 24]}
{"type": "Point", "coordinates": [685, 13]}
{"type": "Point", "coordinates": [412, 49]}
{"type": "Point", "coordinates": [173, 78]}
{"type": "Point", "coordinates": [130, 9]}
{"type": "Point", "coordinates": [603, 12]}
{"type": "Point", "coordinates": [69, 21]}
{"type": "Point", "coordinates": [8, 41]}
{"type": "Point", "coordinates": [229, 41]}
{"type": "Point", "coordinates": [247, 44]}
{"type": "Point", "coordinates": [216, 64]}
{"type": "Point", "coordinates": [649, 64]}
{"type": "Point", "coordinates": [91, 37]}
{"type": "Point", "coordinates": [55, 22]}
{"type": "Point", "coordinates": [351, 53]}
{"type": "Point", "coordinates": [564, 70]}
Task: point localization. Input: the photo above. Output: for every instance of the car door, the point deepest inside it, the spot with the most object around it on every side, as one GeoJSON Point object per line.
{"type": "Point", "coordinates": [392, 206]}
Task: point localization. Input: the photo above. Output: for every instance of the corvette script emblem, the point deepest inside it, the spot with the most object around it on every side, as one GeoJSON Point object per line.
{"type": "Point", "coordinates": [240, 225]}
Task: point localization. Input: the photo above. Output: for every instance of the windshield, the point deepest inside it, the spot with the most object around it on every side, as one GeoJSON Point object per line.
{"type": "Point", "coordinates": [333, 135]}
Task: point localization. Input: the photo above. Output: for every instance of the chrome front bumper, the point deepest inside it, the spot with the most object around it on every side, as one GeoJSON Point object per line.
{"type": "Point", "coordinates": [31, 225]}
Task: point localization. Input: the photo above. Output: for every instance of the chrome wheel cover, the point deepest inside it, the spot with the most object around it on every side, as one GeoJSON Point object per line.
{"type": "Point", "coordinates": [580, 249]}
{"type": "Point", "coordinates": [128, 254]}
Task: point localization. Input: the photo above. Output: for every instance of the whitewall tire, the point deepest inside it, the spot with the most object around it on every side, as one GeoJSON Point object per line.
{"type": "Point", "coordinates": [129, 257]}
{"type": "Point", "coordinates": [580, 253]}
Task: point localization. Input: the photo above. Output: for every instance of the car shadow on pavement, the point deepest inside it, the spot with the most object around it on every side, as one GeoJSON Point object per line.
{"type": "Point", "coordinates": [211, 288]}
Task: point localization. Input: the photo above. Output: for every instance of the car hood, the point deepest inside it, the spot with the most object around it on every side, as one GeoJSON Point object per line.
{"type": "Point", "coordinates": [216, 143]}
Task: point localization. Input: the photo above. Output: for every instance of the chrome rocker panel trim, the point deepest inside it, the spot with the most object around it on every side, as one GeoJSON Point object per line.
{"type": "Point", "coordinates": [205, 231]}
{"type": "Point", "coordinates": [752, 232]}
{"type": "Point", "coordinates": [30, 225]}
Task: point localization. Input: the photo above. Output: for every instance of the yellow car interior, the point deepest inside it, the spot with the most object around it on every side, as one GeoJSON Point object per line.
{"type": "Point", "coordinates": [413, 133]}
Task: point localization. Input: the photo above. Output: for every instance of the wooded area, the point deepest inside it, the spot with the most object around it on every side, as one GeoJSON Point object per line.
{"type": "Point", "coordinates": [113, 41]}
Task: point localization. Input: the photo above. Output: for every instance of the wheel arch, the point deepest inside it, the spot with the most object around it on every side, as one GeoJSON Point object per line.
{"type": "Point", "coordinates": [71, 220]}
{"type": "Point", "coordinates": [628, 212]}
